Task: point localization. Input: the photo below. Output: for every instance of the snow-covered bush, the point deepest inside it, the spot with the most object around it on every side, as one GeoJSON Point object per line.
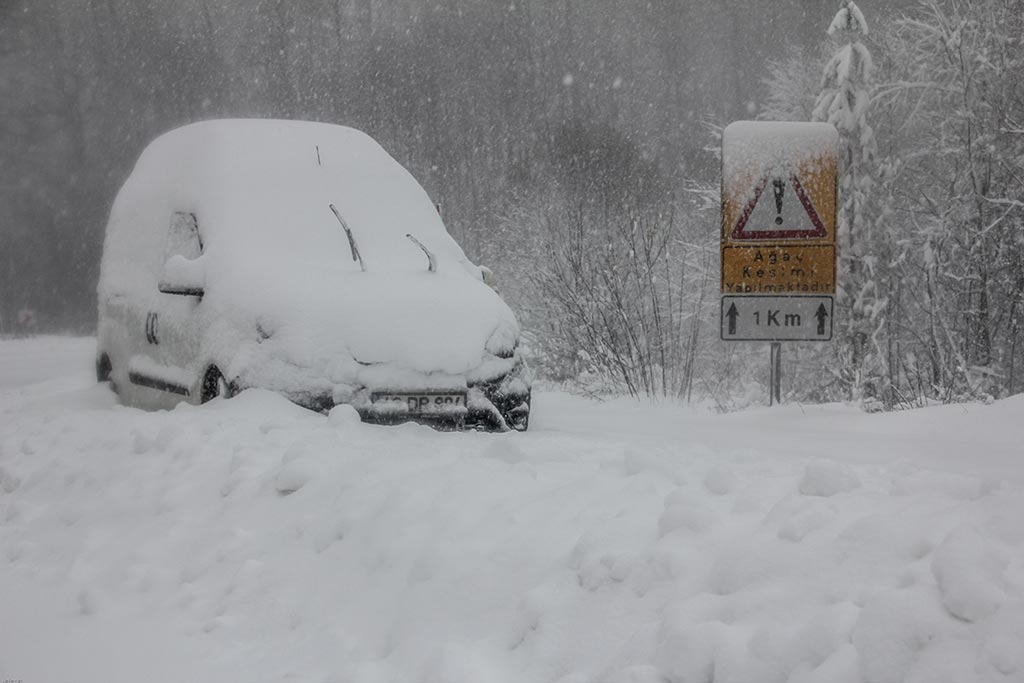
{"type": "Point", "coordinates": [619, 286]}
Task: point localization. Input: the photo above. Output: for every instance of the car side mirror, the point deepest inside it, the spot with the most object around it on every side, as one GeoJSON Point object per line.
{"type": "Point", "coordinates": [186, 277]}
{"type": "Point", "coordinates": [487, 275]}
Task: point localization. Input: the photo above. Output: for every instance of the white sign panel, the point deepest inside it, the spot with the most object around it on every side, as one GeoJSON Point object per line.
{"type": "Point", "coordinates": [776, 318]}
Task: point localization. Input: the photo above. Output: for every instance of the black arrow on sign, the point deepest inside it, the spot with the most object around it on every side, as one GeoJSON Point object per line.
{"type": "Point", "coordinates": [821, 315]}
{"type": "Point", "coordinates": [732, 314]}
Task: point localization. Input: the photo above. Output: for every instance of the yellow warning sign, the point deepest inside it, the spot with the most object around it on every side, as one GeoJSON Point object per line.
{"type": "Point", "coordinates": [779, 183]}
{"type": "Point", "coordinates": [778, 230]}
{"type": "Point", "coordinates": [779, 269]}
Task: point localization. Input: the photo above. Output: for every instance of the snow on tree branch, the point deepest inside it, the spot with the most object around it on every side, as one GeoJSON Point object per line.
{"type": "Point", "coordinates": [849, 18]}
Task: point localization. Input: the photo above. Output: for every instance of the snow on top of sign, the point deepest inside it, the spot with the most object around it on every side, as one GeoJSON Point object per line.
{"type": "Point", "coordinates": [752, 150]}
{"type": "Point", "coordinates": [768, 144]}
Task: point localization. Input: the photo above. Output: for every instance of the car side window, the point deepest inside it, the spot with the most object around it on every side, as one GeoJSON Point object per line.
{"type": "Point", "coordinates": [183, 237]}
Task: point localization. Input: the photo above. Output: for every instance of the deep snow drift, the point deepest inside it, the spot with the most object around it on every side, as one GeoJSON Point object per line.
{"type": "Point", "coordinates": [250, 540]}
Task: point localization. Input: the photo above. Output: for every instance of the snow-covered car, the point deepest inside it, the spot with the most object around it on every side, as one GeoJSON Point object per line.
{"type": "Point", "coordinates": [301, 258]}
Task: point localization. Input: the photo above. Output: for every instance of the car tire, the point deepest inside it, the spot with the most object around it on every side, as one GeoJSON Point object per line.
{"type": "Point", "coordinates": [516, 419]}
{"type": "Point", "coordinates": [105, 371]}
{"type": "Point", "coordinates": [103, 368]}
{"type": "Point", "coordinates": [214, 385]}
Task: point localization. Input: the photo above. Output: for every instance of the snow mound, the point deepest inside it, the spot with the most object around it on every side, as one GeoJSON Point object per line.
{"type": "Point", "coordinates": [687, 650]}
{"type": "Point", "coordinates": [826, 478]}
{"type": "Point", "coordinates": [894, 631]}
{"type": "Point", "coordinates": [970, 574]}
{"type": "Point", "coordinates": [720, 479]}
{"type": "Point", "coordinates": [293, 476]}
{"type": "Point", "coordinates": [344, 416]}
{"type": "Point", "coordinates": [799, 517]}
{"type": "Point", "coordinates": [685, 511]}
{"type": "Point", "coordinates": [504, 450]}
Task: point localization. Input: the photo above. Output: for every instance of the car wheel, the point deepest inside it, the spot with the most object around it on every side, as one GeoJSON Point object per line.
{"type": "Point", "coordinates": [214, 385]}
{"type": "Point", "coordinates": [103, 368]}
{"type": "Point", "coordinates": [105, 371]}
{"type": "Point", "coordinates": [518, 418]}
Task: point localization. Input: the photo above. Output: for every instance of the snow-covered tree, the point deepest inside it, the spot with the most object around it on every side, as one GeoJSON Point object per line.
{"type": "Point", "coordinates": [844, 102]}
{"type": "Point", "coordinates": [792, 86]}
{"type": "Point", "coordinates": [959, 95]}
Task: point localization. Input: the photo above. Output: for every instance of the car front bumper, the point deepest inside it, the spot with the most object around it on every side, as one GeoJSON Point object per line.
{"type": "Point", "coordinates": [500, 404]}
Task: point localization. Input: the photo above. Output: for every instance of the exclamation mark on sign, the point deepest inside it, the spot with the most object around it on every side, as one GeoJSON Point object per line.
{"type": "Point", "coordinates": [780, 187]}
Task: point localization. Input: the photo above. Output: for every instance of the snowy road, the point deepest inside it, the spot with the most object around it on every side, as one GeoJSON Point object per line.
{"type": "Point", "coordinates": [249, 540]}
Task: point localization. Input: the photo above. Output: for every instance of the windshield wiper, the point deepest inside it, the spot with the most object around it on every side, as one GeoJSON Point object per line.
{"type": "Point", "coordinates": [431, 261]}
{"type": "Point", "coordinates": [356, 256]}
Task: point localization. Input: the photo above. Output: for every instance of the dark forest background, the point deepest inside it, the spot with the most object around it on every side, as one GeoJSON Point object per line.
{"type": "Point", "coordinates": [480, 99]}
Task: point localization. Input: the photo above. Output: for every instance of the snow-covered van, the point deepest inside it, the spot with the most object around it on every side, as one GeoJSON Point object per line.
{"type": "Point", "coordinates": [301, 258]}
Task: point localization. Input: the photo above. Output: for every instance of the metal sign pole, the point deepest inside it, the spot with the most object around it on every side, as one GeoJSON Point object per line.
{"type": "Point", "coordinates": [775, 375]}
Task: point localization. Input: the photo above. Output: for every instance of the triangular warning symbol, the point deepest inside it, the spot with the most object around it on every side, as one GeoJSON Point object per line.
{"type": "Point", "coordinates": [785, 213]}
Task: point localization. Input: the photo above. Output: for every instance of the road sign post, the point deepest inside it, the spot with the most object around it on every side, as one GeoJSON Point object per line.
{"type": "Point", "coordinates": [778, 234]}
{"type": "Point", "coordinates": [775, 375]}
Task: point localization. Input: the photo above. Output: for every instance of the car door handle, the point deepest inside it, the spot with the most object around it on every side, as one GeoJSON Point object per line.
{"type": "Point", "coordinates": [151, 321]}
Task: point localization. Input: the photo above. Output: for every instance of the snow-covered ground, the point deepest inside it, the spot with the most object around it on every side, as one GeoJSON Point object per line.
{"type": "Point", "coordinates": [250, 540]}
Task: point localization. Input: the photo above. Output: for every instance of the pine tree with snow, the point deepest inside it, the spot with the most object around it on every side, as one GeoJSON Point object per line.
{"type": "Point", "coordinates": [844, 102]}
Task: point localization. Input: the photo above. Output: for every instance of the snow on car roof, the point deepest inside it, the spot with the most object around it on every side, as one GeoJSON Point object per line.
{"type": "Point", "coordinates": [266, 186]}
{"type": "Point", "coordinates": [274, 252]}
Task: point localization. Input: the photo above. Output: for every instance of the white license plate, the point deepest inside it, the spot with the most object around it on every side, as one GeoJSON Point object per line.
{"type": "Point", "coordinates": [415, 403]}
